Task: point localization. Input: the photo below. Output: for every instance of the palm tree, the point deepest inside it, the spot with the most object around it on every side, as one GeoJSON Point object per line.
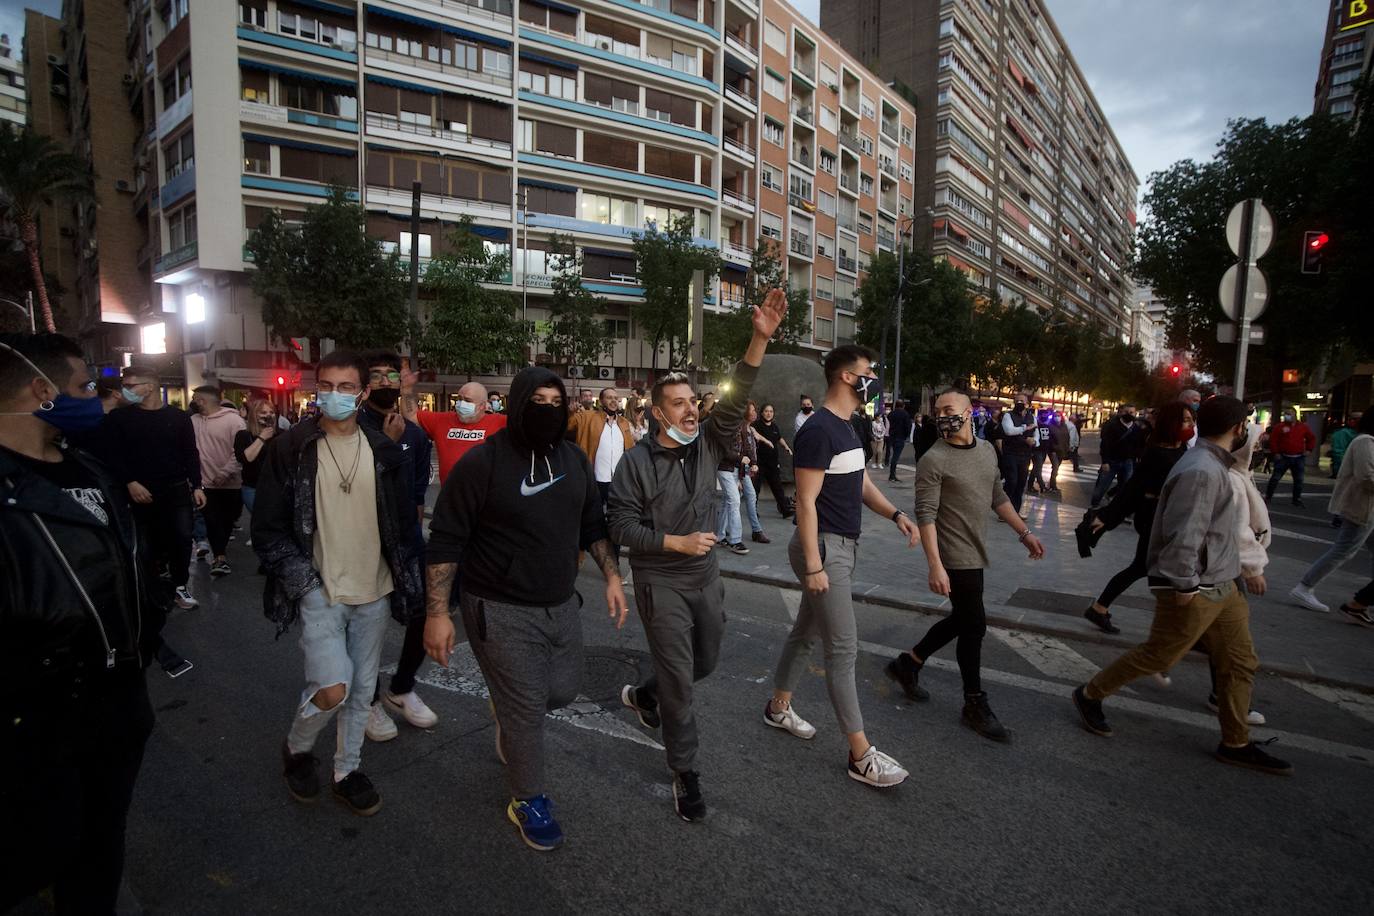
{"type": "Point", "coordinates": [35, 171]}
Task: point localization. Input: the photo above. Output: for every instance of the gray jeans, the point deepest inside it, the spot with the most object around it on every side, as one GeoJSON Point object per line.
{"type": "Point", "coordinates": [829, 616]}
{"type": "Point", "coordinates": [1349, 537]}
{"type": "Point", "coordinates": [684, 628]}
{"type": "Point", "coordinates": [342, 645]}
{"type": "Point", "coordinates": [531, 658]}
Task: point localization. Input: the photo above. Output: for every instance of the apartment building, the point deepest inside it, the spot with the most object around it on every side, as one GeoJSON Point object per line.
{"type": "Point", "coordinates": [1023, 184]}
{"type": "Point", "coordinates": [13, 96]}
{"type": "Point", "coordinates": [590, 119]}
{"type": "Point", "coordinates": [1347, 51]}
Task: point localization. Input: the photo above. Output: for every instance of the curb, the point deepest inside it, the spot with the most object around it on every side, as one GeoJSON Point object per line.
{"type": "Point", "coordinates": [1074, 633]}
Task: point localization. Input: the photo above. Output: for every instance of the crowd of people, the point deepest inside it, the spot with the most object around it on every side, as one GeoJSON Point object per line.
{"type": "Point", "coordinates": [100, 505]}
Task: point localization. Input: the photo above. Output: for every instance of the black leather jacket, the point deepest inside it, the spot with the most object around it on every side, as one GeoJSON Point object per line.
{"type": "Point", "coordinates": [284, 523]}
{"type": "Point", "coordinates": [72, 593]}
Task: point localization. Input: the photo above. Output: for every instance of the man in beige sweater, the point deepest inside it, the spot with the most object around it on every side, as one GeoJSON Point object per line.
{"type": "Point", "coordinates": [957, 481]}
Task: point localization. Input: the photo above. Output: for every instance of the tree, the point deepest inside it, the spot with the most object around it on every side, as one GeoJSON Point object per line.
{"type": "Point", "coordinates": [471, 328]}
{"type": "Point", "coordinates": [727, 332]}
{"type": "Point", "coordinates": [667, 260]}
{"type": "Point", "coordinates": [1311, 174]}
{"type": "Point", "coordinates": [327, 278]}
{"type": "Point", "coordinates": [577, 332]}
{"type": "Point", "coordinates": [36, 172]}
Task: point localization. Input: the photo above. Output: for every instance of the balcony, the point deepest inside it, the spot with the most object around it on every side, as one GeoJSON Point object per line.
{"type": "Point", "coordinates": [741, 98]}
{"type": "Point", "coordinates": [399, 200]}
{"type": "Point", "coordinates": [850, 142]}
{"type": "Point", "coordinates": [495, 13]}
{"type": "Point", "coordinates": [743, 49]}
{"type": "Point", "coordinates": [803, 113]}
{"type": "Point", "coordinates": [801, 203]}
{"type": "Point", "coordinates": [887, 238]}
{"type": "Point", "coordinates": [887, 166]}
{"type": "Point", "coordinates": [849, 183]}
{"type": "Point", "coordinates": [177, 187]}
{"type": "Point", "coordinates": [889, 130]}
{"type": "Point", "coordinates": [423, 67]}
{"type": "Point", "coordinates": [800, 244]}
{"type": "Point", "coordinates": [337, 45]}
{"type": "Point", "coordinates": [176, 258]}
{"type": "Point", "coordinates": [738, 200]}
{"type": "Point", "coordinates": [848, 264]}
{"type": "Point", "coordinates": [385, 125]}
{"type": "Point", "coordinates": [737, 254]}
{"type": "Point", "coordinates": [173, 115]}
{"type": "Point", "coordinates": [739, 148]}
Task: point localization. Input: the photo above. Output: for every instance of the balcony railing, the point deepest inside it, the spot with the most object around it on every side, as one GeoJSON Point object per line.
{"type": "Point", "coordinates": [173, 258]}
{"type": "Point", "coordinates": [849, 183]}
{"type": "Point", "coordinates": [391, 122]}
{"type": "Point", "coordinates": [844, 303]}
{"type": "Point", "coordinates": [739, 44]}
{"type": "Point", "coordinates": [495, 10]}
{"type": "Point", "coordinates": [800, 244]}
{"type": "Point", "coordinates": [739, 95]}
{"type": "Point", "coordinates": [887, 167]}
{"type": "Point", "coordinates": [800, 202]}
{"type": "Point", "coordinates": [847, 264]}
{"type": "Point", "coordinates": [737, 199]}
{"type": "Point", "coordinates": [739, 148]}
{"type": "Point", "coordinates": [850, 142]}
{"type": "Point", "coordinates": [442, 202]}
{"type": "Point", "coordinates": [803, 113]}
{"type": "Point", "coordinates": [887, 238]}
{"type": "Point", "coordinates": [889, 129]}
{"type": "Point", "coordinates": [731, 250]}
{"type": "Point", "coordinates": [480, 76]}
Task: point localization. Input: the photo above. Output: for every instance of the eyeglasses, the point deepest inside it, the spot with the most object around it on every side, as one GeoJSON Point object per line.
{"type": "Point", "coordinates": [392, 376]}
{"type": "Point", "coordinates": [345, 388]}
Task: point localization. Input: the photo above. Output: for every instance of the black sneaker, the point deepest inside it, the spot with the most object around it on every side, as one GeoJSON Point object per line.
{"type": "Point", "coordinates": [1254, 757]}
{"type": "Point", "coordinates": [648, 715]}
{"type": "Point", "coordinates": [1084, 535]}
{"type": "Point", "coordinates": [904, 670]}
{"type": "Point", "coordinates": [1102, 621]}
{"type": "Point", "coordinates": [739, 548]}
{"type": "Point", "coordinates": [1090, 711]}
{"type": "Point", "coordinates": [687, 796]}
{"type": "Point", "coordinates": [1355, 615]}
{"type": "Point", "coordinates": [978, 716]}
{"type": "Point", "coordinates": [355, 790]}
{"type": "Point", "coordinates": [302, 776]}
{"type": "Point", "coordinates": [219, 568]}
{"type": "Point", "coordinates": [1299, 504]}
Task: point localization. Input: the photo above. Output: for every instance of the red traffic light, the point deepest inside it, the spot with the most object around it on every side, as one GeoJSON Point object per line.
{"type": "Point", "coordinates": [281, 381]}
{"type": "Point", "coordinates": [1314, 244]}
{"type": "Point", "coordinates": [1175, 369]}
{"type": "Point", "coordinates": [1317, 240]}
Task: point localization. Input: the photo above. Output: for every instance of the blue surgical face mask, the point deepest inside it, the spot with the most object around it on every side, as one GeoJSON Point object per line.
{"type": "Point", "coordinates": [68, 414]}
{"type": "Point", "coordinates": [133, 397]}
{"type": "Point", "coordinates": [466, 410]}
{"type": "Point", "coordinates": [680, 437]}
{"type": "Point", "coordinates": [336, 405]}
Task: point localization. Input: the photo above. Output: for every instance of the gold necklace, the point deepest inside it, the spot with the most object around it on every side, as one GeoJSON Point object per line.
{"type": "Point", "coordinates": [346, 480]}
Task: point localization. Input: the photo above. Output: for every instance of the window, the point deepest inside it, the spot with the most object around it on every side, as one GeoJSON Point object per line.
{"type": "Point", "coordinates": [770, 176]}
{"type": "Point", "coordinates": [774, 37]}
{"type": "Point", "coordinates": [866, 223]}
{"type": "Point", "coordinates": [253, 13]}
{"type": "Point", "coordinates": [605, 265]}
{"type": "Point", "coordinates": [610, 35]}
{"type": "Point", "coordinates": [662, 216]}
{"type": "Point", "coordinates": [866, 108]}
{"type": "Point", "coordinates": [257, 158]}
{"type": "Point", "coordinates": [254, 86]}
{"type": "Point", "coordinates": [548, 200]}
{"type": "Point", "coordinates": [827, 162]}
{"type": "Point", "coordinates": [618, 95]}
{"type": "Point", "coordinates": [866, 185]}
{"type": "Point", "coordinates": [825, 248]}
{"type": "Point", "coordinates": [829, 120]}
{"type": "Point", "coordinates": [617, 328]}
{"type": "Point", "coordinates": [906, 136]}
{"type": "Point", "coordinates": [828, 75]}
{"type": "Point", "coordinates": [774, 85]}
{"type": "Point", "coordinates": [497, 62]}
{"type": "Point", "coordinates": [825, 286]}
{"type": "Point", "coordinates": [174, 12]}
{"type": "Point", "coordinates": [181, 227]}
{"type": "Point", "coordinates": [824, 329]}
{"type": "Point", "coordinates": [603, 149]}
{"type": "Point", "coordinates": [799, 188]}
{"type": "Point", "coordinates": [770, 225]}
{"type": "Point", "coordinates": [773, 132]}
{"type": "Point", "coordinates": [176, 82]}
{"type": "Point", "coordinates": [554, 20]}
{"type": "Point", "coordinates": [424, 249]}
{"type": "Point", "coordinates": [609, 211]}
{"type": "Point", "coordinates": [180, 155]}
{"type": "Point", "coordinates": [670, 163]}
{"type": "Point", "coordinates": [905, 170]}
{"type": "Point", "coordinates": [551, 139]}
{"type": "Point", "coordinates": [545, 80]}
{"type": "Point", "coordinates": [826, 203]}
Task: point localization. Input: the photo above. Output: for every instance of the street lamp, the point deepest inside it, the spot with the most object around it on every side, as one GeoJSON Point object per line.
{"type": "Point", "coordinates": [33, 328]}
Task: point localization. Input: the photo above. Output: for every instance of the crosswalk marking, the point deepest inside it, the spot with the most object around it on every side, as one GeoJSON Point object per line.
{"type": "Point", "coordinates": [1047, 655]}
{"type": "Point", "coordinates": [1357, 704]}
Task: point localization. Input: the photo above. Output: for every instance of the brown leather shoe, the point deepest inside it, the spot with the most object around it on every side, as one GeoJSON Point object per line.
{"type": "Point", "coordinates": [761, 537]}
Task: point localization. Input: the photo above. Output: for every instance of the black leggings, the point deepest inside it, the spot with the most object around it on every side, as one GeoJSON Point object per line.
{"type": "Point", "coordinates": [966, 622]}
{"type": "Point", "coordinates": [773, 475]}
{"type": "Point", "coordinates": [1130, 575]}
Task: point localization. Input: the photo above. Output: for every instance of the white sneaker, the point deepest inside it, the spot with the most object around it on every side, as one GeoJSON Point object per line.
{"type": "Point", "coordinates": [1253, 717]}
{"type": "Point", "coordinates": [379, 724]}
{"type": "Point", "coordinates": [1162, 679]}
{"type": "Point", "coordinates": [788, 720]}
{"type": "Point", "coordinates": [411, 708]}
{"type": "Point", "coordinates": [875, 768]}
{"type": "Point", "coordinates": [202, 549]}
{"type": "Point", "coordinates": [1305, 596]}
{"type": "Point", "coordinates": [184, 599]}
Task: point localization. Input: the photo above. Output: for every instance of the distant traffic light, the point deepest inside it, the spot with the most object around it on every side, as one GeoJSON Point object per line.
{"type": "Point", "coordinates": [1175, 370]}
{"type": "Point", "coordinates": [281, 381]}
{"type": "Point", "coordinates": [1314, 245]}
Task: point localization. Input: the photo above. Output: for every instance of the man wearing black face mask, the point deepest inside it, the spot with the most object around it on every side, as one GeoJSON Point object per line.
{"type": "Point", "coordinates": [379, 414]}
{"type": "Point", "coordinates": [1121, 445]}
{"type": "Point", "coordinates": [511, 519]}
{"type": "Point", "coordinates": [77, 628]}
{"type": "Point", "coordinates": [1018, 430]}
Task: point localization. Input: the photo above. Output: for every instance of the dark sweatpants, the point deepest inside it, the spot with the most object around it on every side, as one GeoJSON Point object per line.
{"type": "Point", "coordinates": [222, 509]}
{"type": "Point", "coordinates": [966, 623]}
{"type": "Point", "coordinates": [167, 520]}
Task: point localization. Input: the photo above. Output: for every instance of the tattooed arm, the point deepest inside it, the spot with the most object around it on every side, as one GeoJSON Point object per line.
{"type": "Point", "coordinates": [439, 631]}
{"type": "Point", "coordinates": [604, 553]}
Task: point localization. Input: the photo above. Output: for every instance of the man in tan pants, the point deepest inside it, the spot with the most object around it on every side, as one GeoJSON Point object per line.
{"type": "Point", "coordinates": [1194, 560]}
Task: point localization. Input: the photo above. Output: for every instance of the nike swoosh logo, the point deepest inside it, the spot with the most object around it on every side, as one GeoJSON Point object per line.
{"type": "Point", "coordinates": [527, 490]}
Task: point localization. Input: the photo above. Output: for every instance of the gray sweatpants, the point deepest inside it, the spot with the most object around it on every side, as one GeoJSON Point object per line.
{"type": "Point", "coordinates": [531, 658]}
{"type": "Point", "coordinates": [829, 616]}
{"type": "Point", "coordinates": [684, 629]}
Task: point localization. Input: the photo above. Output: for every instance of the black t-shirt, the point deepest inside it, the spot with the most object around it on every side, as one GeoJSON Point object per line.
{"type": "Point", "coordinates": [830, 444]}
{"type": "Point", "coordinates": [251, 467]}
{"type": "Point", "coordinates": [768, 457]}
{"type": "Point", "coordinates": [73, 479]}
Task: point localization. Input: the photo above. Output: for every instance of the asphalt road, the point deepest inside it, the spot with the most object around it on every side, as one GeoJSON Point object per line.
{"type": "Point", "coordinates": [1057, 822]}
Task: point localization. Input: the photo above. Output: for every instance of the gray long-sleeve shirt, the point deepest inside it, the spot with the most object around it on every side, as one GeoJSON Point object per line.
{"type": "Point", "coordinates": [658, 491]}
{"type": "Point", "coordinates": [1194, 541]}
{"type": "Point", "coordinates": [956, 485]}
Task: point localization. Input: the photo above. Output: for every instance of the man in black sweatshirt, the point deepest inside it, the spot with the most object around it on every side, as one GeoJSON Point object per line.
{"type": "Point", "coordinates": [663, 508]}
{"type": "Point", "coordinates": [509, 523]}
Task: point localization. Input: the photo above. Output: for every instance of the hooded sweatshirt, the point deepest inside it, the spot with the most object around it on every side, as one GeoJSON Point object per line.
{"type": "Point", "coordinates": [516, 513]}
{"type": "Point", "coordinates": [1253, 532]}
{"type": "Point", "coordinates": [219, 468]}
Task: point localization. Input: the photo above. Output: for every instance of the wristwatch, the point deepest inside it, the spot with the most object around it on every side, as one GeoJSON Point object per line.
{"type": "Point", "coordinates": [898, 514]}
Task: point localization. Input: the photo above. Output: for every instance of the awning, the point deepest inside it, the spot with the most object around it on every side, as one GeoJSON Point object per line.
{"type": "Point", "coordinates": [297, 74]}
{"type": "Point", "coordinates": [1015, 213]}
{"type": "Point", "coordinates": [327, 7]}
{"type": "Point", "coordinates": [298, 144]}
{"type": "Point", "coordinates": [548, 185]}
{"type": "Point", "coordinates": [431, 24]}
{"type": "Point", "coordinates": [1020, 132]}
{"type": "Point", "coordinates": [1016, 72]}
{"type": "Point", "coordinates": [610, 253]}
{"type": "Point", "coordinates": [551, 61]}
{"type": "Point", "coordinates": [398, 84]}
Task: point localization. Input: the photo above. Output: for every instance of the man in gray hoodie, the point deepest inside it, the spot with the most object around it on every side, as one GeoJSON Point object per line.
{"type": "Point", "coordinates": [1194, 562]}
{"type": "Point", "coordinates": [662, 507]}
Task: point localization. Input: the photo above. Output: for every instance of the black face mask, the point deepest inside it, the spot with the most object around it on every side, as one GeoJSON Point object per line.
{"type": "Point", "coordinates": [807, 409]}
{"type": "Point", "coordinates": [384, 398]}
{"type": "Point", "coordinates": [1128, 417]}
{"type": "Point", "coordinates": [611, 411]}
{"type": "Point", "coordinates": [1238, 442]}
{"type": "Point", "coordinates": [949, 427]}
{"type": "Point", "coordinates": [542, 424]}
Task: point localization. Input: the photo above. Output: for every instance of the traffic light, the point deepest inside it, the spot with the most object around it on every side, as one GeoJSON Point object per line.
{"type": "Point", "coordinates": [281, 381]}
{"type": "Point", "coordinates": [1175, 370]}
{"type": "Point", "coordinates": [1314, 244]}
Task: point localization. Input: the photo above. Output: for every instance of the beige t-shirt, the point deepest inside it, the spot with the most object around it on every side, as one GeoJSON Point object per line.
{"type": "Point", "coordinates": [348, 546]}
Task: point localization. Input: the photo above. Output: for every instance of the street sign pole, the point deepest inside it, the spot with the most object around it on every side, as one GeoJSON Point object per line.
{"type": "Point", "coordinates": [1242, 315]}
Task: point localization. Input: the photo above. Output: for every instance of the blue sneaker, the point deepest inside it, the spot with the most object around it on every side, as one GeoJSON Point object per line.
{"type": "Point", "coordinates": [535, 819]}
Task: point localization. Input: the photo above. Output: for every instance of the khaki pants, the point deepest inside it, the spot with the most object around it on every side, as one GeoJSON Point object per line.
{"type": "Point", "coordinates": [1219, 618]}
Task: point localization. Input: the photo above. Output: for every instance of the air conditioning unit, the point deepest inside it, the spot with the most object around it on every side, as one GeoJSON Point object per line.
{"type": "Point", "coordinates": [834, 88]}
{"type": "Point", "coordinates": [604, 45]}
{"type": "Point", "coordinates": [605, 373]}
{"type": "Point", "coordinates": [122, 185]}
{"type": "Point", "coordinates": [576, 372]}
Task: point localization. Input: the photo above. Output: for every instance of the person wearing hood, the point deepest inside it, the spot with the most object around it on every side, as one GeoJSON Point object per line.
{"type": "Point", "coordinates": [957, 482]}
{"type": "Point", "coordinates": [77, 629]}
{"type": "Point", "coordinates": [455, 432]}
{"type": "Point", "coordinates": [663, 507]}
{"type": "Point", "coordinates": [509, 523]}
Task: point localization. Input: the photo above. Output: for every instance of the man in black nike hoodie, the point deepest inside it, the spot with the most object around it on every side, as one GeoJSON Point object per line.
{"type": "Point", "coordinates": [511, 518]}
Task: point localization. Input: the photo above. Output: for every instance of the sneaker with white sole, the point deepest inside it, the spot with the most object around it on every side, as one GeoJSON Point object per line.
{"type": "Point", "coordinates": [1162, 679]}
{"type": "Point", "coordinates": [379, 724]}
{"type": "Point", "coordinates": [876, 769]}
{"type": "Point", "coordinates": [411, 708]}
{"type": "Point", "coordinates": [184, 599]}
{"type": "Point", "coordinates": [1253, 717]}
{"type": "Point", "coordinates": [1307, 598]}
{"type": "Point", "coordinates": [788, 721]}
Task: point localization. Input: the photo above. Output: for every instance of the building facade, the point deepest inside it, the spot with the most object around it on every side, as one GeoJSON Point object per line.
{"type": "Point", "coordinates": [13, 95]}
{"type": "Point", "coordinates": [534, 118]}
{"type": "Point", "coordinates": [1021, 182]}
{"type": "Point", "coordinates": [1347, 50]}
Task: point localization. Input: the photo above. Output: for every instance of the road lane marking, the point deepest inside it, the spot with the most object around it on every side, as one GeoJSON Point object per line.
{"type": "Point", "coordinates": [1357, 704]}
{"type": "Point", "coordinates": [1047, 655]}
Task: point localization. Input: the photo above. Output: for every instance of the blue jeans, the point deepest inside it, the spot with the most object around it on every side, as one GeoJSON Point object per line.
{"type": "Point", "coordinates": [751, 504]}
{"type": "Point", "coordinates": [250, 495]}
{"type": "Point", "coordinates": [342, 645]}
{"type": "Point", "coordinates": [1121, 470]}
{"type": "Point", "coordinates": [728, 527]}
{"type": "Point", "coordinates": [1349, 537]}
{"type": "Point", "coordinates": [1297, 464]}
